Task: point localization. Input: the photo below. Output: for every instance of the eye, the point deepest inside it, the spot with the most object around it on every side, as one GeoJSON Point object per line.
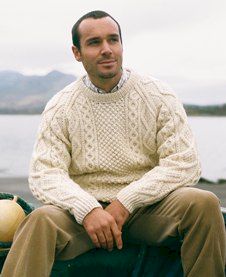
{"type": "Point", "coordinates": [114, 39]}
{"type": "Point", "coordinates": [93, 42]}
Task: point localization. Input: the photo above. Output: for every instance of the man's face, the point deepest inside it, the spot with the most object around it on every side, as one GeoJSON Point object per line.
{"type": "Point", "coordinates": [100, 48]}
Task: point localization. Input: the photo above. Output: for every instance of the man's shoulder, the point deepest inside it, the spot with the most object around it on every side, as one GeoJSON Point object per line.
{"type": "Point", "coordinates": [61, 97]}
{"type": "Point", "coordinates": [154, 86]}
{"type": "Point", "coordinates": [156, 92]}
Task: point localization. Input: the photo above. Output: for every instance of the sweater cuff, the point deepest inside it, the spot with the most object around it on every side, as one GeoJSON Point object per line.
{"type": "Point", "coordinates": [83, 209]}
{"type": "Point", "coordinates": [129, 200]}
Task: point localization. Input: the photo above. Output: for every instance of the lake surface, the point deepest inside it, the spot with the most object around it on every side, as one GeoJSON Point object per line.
{"type": "Point", "coordinates": [18, 132]}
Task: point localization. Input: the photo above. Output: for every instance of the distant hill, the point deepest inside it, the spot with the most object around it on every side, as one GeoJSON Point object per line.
{"type": "Point", "coordinates": [210, 110]}
{"type": "Point", "coordinates": [20, 94]}
{"type": "Point", "coordinates": [29, 94]}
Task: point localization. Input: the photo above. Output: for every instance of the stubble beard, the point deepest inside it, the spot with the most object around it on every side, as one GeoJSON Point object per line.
{"type": "Point", "coordinates": [107, 75]}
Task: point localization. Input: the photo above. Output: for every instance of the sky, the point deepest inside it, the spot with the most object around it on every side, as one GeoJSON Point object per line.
{"type": "Point", "coordinates": [181, 42]}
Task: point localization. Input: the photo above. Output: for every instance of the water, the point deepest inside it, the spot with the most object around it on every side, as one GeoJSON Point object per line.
{"type": "Point", "coordinates": [18, 132]}
{"type": "Point", "coordinates": [17, 136]}
{"type": "Point", "coordinates": [210, 133]}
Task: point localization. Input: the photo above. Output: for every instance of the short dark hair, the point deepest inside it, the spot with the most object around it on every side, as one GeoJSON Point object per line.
{"type": "Point", "coordinates": [93, 14]}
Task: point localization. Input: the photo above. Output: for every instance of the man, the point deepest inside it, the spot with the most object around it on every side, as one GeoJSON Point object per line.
{"type": "Point", "coordinates": [115, 156]}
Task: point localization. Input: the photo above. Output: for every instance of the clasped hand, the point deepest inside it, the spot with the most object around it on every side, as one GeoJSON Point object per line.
{"type": "Point", "coordinates": [104, 226]}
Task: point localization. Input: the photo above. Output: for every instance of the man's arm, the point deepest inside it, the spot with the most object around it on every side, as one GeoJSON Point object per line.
{"type": "Point", "coordinates": [49, 177]}
{"type": "Point", "coordinates": [178, 164]}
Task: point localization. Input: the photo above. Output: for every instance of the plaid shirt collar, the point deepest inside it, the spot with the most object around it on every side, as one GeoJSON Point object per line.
{"type": "Point", "coordinates": [90, 85]}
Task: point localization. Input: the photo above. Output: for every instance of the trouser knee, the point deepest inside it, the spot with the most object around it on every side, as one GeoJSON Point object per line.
{"type": "Point", "coordinates": [41, 214]}
{"type": "Point", "coordinates": [37, 221]}
{"type": "Point", "coordinates": [200, 204]}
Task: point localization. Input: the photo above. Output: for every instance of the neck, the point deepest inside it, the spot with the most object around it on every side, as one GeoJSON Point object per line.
{"type": "Point", "coordinates": [106, 84]}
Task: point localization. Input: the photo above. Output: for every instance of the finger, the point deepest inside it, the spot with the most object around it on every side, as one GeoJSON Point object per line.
{"type": "Point", "coordinates": [117, 234]}
{"type": "Point", "coordinates": [102, 239]}
{"type": "Point", "coordinates": [119, 225]}
{"type": "Point", "coordinates": [95, 240]}
{"type": "Point", "coordinates": [91, 233]}
{"type": "Point", "coordinates": [109, 239]}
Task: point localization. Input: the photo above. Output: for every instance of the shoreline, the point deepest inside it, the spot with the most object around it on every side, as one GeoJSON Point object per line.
{"type": "Point", "coordinates": [19, 186]}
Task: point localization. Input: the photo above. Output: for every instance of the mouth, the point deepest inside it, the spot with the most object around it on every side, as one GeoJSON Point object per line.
{"type": "Point", "coordinates": [107, 62]}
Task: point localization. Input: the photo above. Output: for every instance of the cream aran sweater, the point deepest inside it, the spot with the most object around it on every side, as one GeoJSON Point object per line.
{"type": "Point", "coordinates": [133, 145]}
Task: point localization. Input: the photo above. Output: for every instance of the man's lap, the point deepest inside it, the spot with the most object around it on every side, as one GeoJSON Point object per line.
{"type": "Point", "coordinates": [156, 224]}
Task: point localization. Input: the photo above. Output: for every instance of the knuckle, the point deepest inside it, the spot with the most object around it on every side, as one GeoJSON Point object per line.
{"type": "Point", "coordinates": [103, 243]}
{"type": "Point", "coordinates": [118, 233]}
{"type": "Point", "coordinates": [118, 236]}
{"type": "Point", "coordinates": [109, 238]}
{"type": "Point", "coordinates": [110, 242]}
{"type": "Point", "coordinates": [111, 220]}
{"type": "Point", "coordinates": [95, 240]}
{"type": "Point", "coordinates": [102, 240]}
{"type": "Point", "coordinates": [97, 229]}
{"type": "Point", "coordinates": [105, 225]}
{"type": "Point", "coordinates": [90, 230]}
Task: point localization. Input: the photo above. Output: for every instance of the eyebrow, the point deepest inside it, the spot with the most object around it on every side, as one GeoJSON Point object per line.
{"type": "Point", "coordinates": [114, 35]}
{"type": "Point", "coordinates": [96, 38]}
{"type": "Point", "coordinates": [92, 38]}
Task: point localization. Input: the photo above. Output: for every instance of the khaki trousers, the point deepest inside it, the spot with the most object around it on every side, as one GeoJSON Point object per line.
{"type": "Point", "coordinates": [191, 214]}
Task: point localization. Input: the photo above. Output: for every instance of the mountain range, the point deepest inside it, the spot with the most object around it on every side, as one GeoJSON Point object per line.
{"type": "Point", "coordinates": [21, 94]}
{"type": "Point", "coordinates": [29, 94]}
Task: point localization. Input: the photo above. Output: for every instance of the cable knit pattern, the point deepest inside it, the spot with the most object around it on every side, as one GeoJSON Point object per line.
{"type": "Point", "coordinates": [133, 145]}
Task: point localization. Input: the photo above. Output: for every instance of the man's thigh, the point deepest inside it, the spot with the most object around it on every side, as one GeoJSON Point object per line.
{"type": "Point", "coordinates": [158, 224]}
{"type": "Point", "coordinates": [71, 237]}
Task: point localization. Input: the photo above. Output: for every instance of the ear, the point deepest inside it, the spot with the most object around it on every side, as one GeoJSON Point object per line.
{"type": "Point", "coordinates": [77, 53]}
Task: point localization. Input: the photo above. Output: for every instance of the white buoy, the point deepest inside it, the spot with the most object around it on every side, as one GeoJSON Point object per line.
{"type": "Point", "coordinates": [11, 215]}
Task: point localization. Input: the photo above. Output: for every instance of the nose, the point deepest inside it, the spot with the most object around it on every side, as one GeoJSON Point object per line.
{"type": "Point", "coordinates": [106, 49]}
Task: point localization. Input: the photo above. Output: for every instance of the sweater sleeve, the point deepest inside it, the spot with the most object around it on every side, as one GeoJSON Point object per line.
{"type": "Point", "coordinates": [49, 178]}
{"type": "Point", "coordinates": [178, 161]}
